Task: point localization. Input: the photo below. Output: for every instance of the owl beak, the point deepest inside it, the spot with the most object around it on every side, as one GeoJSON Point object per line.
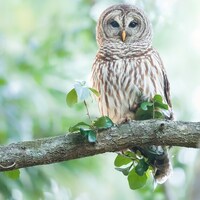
{"type": "Point", "coordinates": [123, 35]}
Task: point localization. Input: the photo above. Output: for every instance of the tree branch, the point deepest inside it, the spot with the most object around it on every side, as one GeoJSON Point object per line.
{"type": "Point", "coordinates": [75, 145]}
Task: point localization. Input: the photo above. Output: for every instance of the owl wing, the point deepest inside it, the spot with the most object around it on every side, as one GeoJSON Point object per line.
{"type": "Point", "coordinates": [167, 89]}
{"type": "Point", "coordinates": [167, 93]}
{"type": "Point", "coordinates": [166, 84]}
{"type": "Point", "coordinates": [152, 79]}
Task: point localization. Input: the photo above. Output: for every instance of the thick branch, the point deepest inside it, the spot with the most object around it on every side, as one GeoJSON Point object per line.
{"type": "Point", "coordinates": [74, 145]}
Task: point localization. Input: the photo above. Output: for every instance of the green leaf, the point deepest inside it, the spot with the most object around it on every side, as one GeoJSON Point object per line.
{"type": "Point", "coordinates": [144, 114]}
{"type": "Point", "coordinates": [90, 134]}
{"type": "Point", "coordinates": [125, 171]}
{"type": "Point", "coordinates": [14, 174]}
{"type": "Point", "coordinates": [161, 105]}
{"type": "Point", "coordinates": [135, 181]}
{"type": "Point", "coordinates": [158, 102]}
{"type": "Point", "coordinates": [141, 167]}
{"type": "Point", "coordinates": [94, 92]}
{"type": "Point", "coordinates": [84, 131]}
{"type": "Point", "coordinates": [71, 98]}
{"type": "Point", "coordinates": [92, 137]}
{"type": "Point", "coordinates": [103, 122]}
{"type": "Point", "coordinates": [158, 115]}
{"type": "Point", "coordinates": [145, 105]}
{"type": "Point", "coordinates": [77, 126]}
{"type": "Point", "coordinates": [130, 154]}
{"type": "Point", "coordinates": [158, 98]}
{"type": "Point", "coordinates": [121, 160]}
{"type": "Point", "coordinates": [82, 91]}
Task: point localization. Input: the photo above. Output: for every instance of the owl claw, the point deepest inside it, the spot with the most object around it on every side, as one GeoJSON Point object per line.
{"type": "Point", "coordinates": [134, 107]}
{"type": "Point", "coordinates": [124, 120]}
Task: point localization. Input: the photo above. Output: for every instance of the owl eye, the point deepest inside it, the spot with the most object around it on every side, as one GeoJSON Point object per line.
{"type": "Point", "coordinates": [133, 24]}
{"type": "Point", "coordinates": [114, 24]}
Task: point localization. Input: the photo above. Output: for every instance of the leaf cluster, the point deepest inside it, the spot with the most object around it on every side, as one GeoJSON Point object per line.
{"type": "Point", "coordinates": [152, 109]}
{"type": "Point", "coordinates": [80, 93]}
{"type": "Point", "coordinates": [136, 168]}
{"type": "Point", "coordinates": [134, 165]}
{"type": "Point", "coordinates": [90, 130]}
{"type": "Point", "coordinates": [139, 167]}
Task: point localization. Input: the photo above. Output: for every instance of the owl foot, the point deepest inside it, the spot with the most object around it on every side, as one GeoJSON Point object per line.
{"type": "Point", "coordinates": [134, 107]}
{"type": "Point", "coordinates": [124, 120]}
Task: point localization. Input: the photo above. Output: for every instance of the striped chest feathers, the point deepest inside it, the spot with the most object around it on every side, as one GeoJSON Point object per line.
{"type": "Point", "coordinates": [124, 83]}
{"type": "Point", "coordinates": [140, 76]}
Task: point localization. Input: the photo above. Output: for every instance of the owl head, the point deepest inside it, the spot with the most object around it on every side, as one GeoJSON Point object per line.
{"type": "Point", "coordinates": [123, 24]}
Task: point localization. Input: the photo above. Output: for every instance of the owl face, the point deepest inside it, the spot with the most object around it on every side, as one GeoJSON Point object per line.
{"type": "Point", "coordinates": [123, 24]}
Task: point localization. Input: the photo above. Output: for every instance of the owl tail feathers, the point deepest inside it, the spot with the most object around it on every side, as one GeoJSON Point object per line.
{"type": "Point", "coordinates": [158, 158]}
{"type": "Point", "coordinates": [163, 167]}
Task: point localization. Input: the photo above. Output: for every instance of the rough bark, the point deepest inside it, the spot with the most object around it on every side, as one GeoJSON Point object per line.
{"type": "Point", "coordinates": [74, 145]}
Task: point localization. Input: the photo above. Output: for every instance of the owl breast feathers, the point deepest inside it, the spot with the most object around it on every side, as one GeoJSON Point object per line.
{"type": "Point", "coordinates": [127, 70]}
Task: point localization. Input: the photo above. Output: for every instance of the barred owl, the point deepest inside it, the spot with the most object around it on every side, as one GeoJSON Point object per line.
{"type": "Point", "coordinates": [128, 70]}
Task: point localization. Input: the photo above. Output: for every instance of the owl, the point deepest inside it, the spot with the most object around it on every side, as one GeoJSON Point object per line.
{"type": "Point", "coordinates": [127, 71]}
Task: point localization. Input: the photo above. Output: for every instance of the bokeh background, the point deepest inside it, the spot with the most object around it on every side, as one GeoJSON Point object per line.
{"type": "Point", "coordinates": [44, 47]}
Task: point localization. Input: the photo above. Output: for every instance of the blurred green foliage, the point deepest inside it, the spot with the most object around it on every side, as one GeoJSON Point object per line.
{"type": "Point", "coordinates": [44, 47]}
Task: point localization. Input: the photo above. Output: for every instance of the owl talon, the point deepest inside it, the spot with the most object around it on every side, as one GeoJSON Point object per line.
{"type": "Point", "coordinates": [134, 107]}
{"type": "Point", "coordinates": [124, 120]}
